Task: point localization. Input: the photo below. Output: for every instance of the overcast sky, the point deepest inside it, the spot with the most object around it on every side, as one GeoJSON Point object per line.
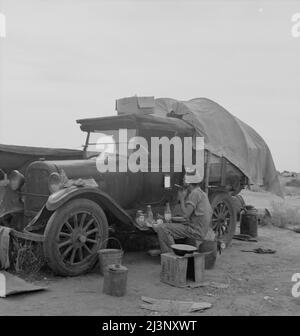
{"type": "Point", "coordinates": [63, 60]}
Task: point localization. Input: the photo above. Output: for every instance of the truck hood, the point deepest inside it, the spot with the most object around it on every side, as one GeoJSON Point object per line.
{"type": "Point", "coordinates": [112, 183]}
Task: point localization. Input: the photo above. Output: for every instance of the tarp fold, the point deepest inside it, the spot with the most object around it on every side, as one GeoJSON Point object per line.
{"type": "Point", "coordinates": [226, 135]}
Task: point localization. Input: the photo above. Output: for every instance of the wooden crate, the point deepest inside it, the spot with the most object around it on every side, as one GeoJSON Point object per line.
{"type": "Point", "coordinates": [178, 271]}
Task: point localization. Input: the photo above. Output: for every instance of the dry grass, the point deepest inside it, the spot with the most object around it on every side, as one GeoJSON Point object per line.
{"type": "Point", "coordinates": [290, 186]}
{"type": "Point", "coordinates": [293, 183]}
{"type": "Point", "coordinates": [284, 216]}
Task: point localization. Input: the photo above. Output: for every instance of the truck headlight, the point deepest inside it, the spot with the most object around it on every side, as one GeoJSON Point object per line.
{"type": "Point", "coordinates": [55, 182]}
{"type": "Point", "coordinates": [16, 180]}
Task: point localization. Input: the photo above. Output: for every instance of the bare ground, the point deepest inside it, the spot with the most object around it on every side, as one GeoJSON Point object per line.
{"type": "Point", "coordinates": [258, 285]}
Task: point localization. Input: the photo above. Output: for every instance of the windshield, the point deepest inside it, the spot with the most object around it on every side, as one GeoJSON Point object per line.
{"type": "Point", "coordinates": [108, 141]}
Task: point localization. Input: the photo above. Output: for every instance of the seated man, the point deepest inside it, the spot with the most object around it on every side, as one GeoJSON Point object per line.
{"type": "Point", "coordinates": [196, 209]}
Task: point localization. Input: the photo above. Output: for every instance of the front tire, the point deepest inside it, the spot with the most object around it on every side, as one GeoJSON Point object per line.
{"type": "Point", "coordinates": [73, 235]}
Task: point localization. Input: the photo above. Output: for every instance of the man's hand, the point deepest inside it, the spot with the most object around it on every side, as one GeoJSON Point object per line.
{"type": "Point", "coordinates": [182, 195]}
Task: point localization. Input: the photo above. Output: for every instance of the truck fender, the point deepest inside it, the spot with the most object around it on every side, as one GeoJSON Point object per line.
{"type": "Point", "coordinates": [59, 198]}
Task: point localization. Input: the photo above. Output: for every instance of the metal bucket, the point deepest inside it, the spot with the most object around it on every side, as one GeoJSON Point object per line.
{"type": "Point", "coordinates": [110, 256]}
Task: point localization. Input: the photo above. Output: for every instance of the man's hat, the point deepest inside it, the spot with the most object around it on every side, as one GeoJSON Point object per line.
{"type": "Point", "coordinates": [192, 176]}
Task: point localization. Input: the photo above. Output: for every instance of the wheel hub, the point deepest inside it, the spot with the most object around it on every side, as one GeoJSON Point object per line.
{"type": "Point", "coordinates": [82, 238]}
{"type": "Point", "coordinates": [78, 238]}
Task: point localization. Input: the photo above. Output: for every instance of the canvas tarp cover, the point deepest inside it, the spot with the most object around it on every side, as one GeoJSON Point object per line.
{"type": "Point", "coordinates": [14, 157]}
{"type": "Point", "coordinates": [225, 135]}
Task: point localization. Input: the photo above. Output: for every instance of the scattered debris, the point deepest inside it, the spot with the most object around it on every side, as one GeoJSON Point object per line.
{"type": "Point", "coordinates": [11, 284]}
{"type": "Point", "coordinates": [244, 237]}
{"type": "Point", "coordinates": [268, 298]}
{"type": "Point", "coordinates": [294, 228]}
{"type": "Point", "coordinates": [209, 294]}
{"type": "Point", "coordinates": [209, 284]}
{"type": "Point", "coordinates": [264, 217]}
{"type": "Point", "coordinates": [173, 305]}
{"type": "Point", "coordinates": [261, 251]}
{"type": "Point", "coordinates": [272, 301]}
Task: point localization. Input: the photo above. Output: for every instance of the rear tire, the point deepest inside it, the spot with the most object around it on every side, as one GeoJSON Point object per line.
{"type": "Point", "coordinates": [224, 216]}
{"type": "Point", "coordinates": [73, 235]}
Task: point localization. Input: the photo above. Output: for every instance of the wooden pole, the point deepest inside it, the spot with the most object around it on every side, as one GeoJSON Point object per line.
{"type": "Point", "coordinates": [207, 168]}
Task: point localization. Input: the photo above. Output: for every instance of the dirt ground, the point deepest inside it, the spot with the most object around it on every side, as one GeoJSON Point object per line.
{"type": "Point", "coordinates": [258, 284]}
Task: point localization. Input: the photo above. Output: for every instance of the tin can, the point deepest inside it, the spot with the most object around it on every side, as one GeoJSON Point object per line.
{"type": "Point", "coordinates": [115, 280]}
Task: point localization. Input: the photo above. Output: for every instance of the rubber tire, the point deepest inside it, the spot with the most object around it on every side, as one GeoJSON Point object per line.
{"type": "Point", "coordinates": [217, 198]}
{"type": "Point", "coordinates": [61, 214]}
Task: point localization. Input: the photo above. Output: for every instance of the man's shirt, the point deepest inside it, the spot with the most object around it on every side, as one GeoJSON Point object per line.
{"type": "Point", "coordinates": [201, 217]}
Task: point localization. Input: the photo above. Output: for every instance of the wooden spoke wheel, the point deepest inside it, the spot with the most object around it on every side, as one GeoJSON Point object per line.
{"type": "Point", "coordinates": [223, 217]}
{"type": "Point", "coordinates": [73, 235]}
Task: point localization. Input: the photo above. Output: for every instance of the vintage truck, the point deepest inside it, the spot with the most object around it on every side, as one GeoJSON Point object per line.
{"type": "Point", "coordinates": [70, 207]}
